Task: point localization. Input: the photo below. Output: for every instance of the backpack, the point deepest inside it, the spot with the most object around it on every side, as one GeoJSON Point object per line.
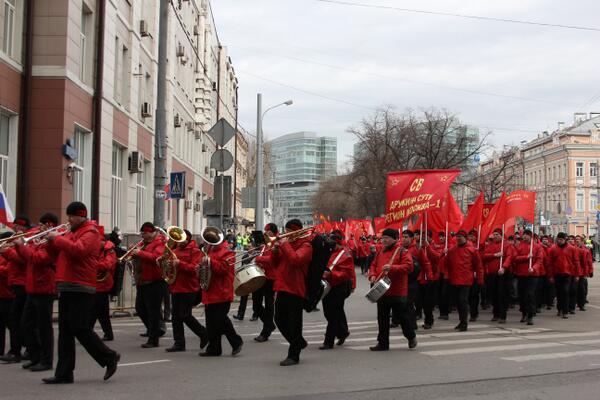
{"type": "Point", "coordinates": [322, 249]}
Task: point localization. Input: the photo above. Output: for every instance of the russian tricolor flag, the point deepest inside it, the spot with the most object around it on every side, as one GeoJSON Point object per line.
{"type": "Point", "coordinates": [6, 215]}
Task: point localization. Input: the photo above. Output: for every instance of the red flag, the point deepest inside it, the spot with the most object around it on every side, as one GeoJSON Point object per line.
{"type": "Point", "coordinates": [521, 203]}
{"type": "Point", "coordinates": [414, 192]}
{"type": "Point", "coordinates": [475, 216]}
{"type": "Point", "coordinates": [495, 220]}
{"type": "Point", "coordinates": [449, 212]}
{"type": "Point", "coordinates": [379, 225]}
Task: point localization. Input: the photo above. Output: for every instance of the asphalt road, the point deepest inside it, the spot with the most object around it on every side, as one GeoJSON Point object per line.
{"type": "Point", "coordinates": [554, 359]}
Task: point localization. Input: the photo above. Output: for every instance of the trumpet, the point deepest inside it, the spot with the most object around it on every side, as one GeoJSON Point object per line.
{"type": "Point", "coordinates": [127, 256]}
{"type": "Point", "coordinates": [16, 236]}
{"type": "Point", "coordinates": [65, 228]}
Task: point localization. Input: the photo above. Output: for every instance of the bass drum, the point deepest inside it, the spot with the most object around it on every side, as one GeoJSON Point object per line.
{"type": "Point", "coordinates": [248, 279]}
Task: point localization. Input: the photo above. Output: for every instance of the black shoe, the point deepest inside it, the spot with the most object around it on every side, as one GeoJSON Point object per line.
{"type": "Point", "coordinates": [427, 326]}
{"type": "Point", "coordinates": [111, 368]}
{"type": "Point", "coordinates": [463, 328]}
{"type": "Point", "coordinates": [288, 361]}
{"type": "Point", "coordinates": [175, 349]}
{"type": "Point", "coordinates": [444, 317]}
{"type": "Point", "coordinates": [548, 307]}
{"type": "Point", "coordinates": [26, 356]}
{"type": "Point", "coordinates": [108, 338]}
{"type": "Point", "coordinates": [207, 354]}
{"type": "Point", "coordinates": [565, 316]}
{"type": "Point", "coordinates": [40, 367]}
{"type": "Point", "coordinates": [502, 321]}
{"type": "Point", "coordinates": [326, 347]}
{"type": "Point", "coordinates": [28, 365]}
{"type": "Point", "coordinates": [150, 344]}
{"type": "Point", "coordinates": [254, 318]}
{"type": "Point", "coordinates": [237, 317]}
{"type": "Point", "coordinates": [236, 350]}
{"type": "Point", "coordinates": [523, 318]}
{"type": "Point", "coordinates": [342, 340]}
{"type": "Point", "coordinates": [10, 358]}
{"type": "Point", "coordinates": [162, 333]}
{"type": "Point", "coordinates": [261, 339]}
{"type": "Point", "coordinates": [304, 344]}
{"type": "Point", "coordinates": [378, 347]}
{"type": "Point", "coordinates": [393, 325]}
{"type": "Point", "coordinates": [582, 308]}
{"type": "Point", "coordinates": [54, 380]}
{"type": "Point", "coordinates": [457, 327]}
{"type": "Point", "coordinates": [529, 321]}
{"type": "Point", "coordinates": [572, 312]}
{"type": "Point", "coordinates": [145, 334]}
{"type": "Point", "coordinates": [203, 341]}
{"type": "Point", "coordinates": [412, 343]}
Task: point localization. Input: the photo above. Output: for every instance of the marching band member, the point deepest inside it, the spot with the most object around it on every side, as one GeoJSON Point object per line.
{"type": "Point", "coordinates": [77, 253]}
{"type": "Point", "coordinates": [16, 280]}
{"type": "Point", "coordinates": [217, 300]}
{"type": "Point", "coordinates": [6, 298]}
{"type": "Point", "coordinates": [340, 268]}
{"type": "Point", "coordinates": [462, 265]}
{"type": "Point", "coordinates": [421, 269]}
{"type": "Point", "coordinates": [151, 283]}
{"type": "Point", "coordinates": [563, 265]}
{"type": "Point", "coordinates": [495, 276]}
{"type": "Point", "coordinates": [548, 289]}
{"type": "Point", "coordinates": [396, 263]}
{"type": "Point", "coordinates": [291, 261]}
{"type": "Point", "coordinates": [107, 262]}
{"type": "Point", "coordinates": [266, 312]}
{"type": "Point", "coordinates": [185, 293]}
{"type": "Point", "coordinates": [41, 290]}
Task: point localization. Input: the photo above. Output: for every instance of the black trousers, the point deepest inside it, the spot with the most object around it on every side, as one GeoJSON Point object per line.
{"type": "Point", "coordinates": [582, 292]}
{"type": "Point", "coordinates": [546, 292]}
{"type": "Point", "coordinates": [241, 312]}
{"type": "Point", "coordinates": [74, 310]}
{"type": "Point", "coordinates": [563, 285]}
{"type": "Point", "coordinates": [219, 324]}
{"type": "Point", "coordinates": [527, 288]}
{"type": "Point", "coordinates": [427, 299]}
{"type": "Point", "coordinates": [397, 305]}
{"type": "Point", "coordinates": [288, 318]}
{"type": "Point", "coordinates": [265, 312]}
{"type": "Point", "coordinates": [101, 313]}
{"type": "Point", "coordinates": [147, 305]}
{"type": "Point", "coordinates": [166, 311]}
{"type": "Point", "coordinates": [573, 293]}
{"type": "Point", "coordinates": [333, 310]}
{"type": "Point", "coordinates": [4, 322]}
{"type": "Point", "coordinates": [445, 299]}
{"type": "Point", "coordinates": [474, 293]}
{"type": "Point", "coordinates": [461, 295]}
{"type": "Point", "coordinates": [16, 313]}
{"type": "Point", "coordinates": [37, 328]}
{"type": "Point", "coordinates": [497, 293]}
{"type": "Point", "coordinates": [183, 303]}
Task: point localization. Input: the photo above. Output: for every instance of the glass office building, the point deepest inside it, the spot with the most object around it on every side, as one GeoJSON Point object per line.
{"type": "Point", "coordinates": [298, 163]}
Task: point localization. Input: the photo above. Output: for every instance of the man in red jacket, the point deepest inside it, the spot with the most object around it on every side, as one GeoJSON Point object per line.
{"type": "Point", "coordinates": [217, 300]}
{"type": "Point", "coordinates": [548, 289]}
{"type": "Point", "coordinates": [6, 298]}
{"type": "Point", "coordinates": [495, 263]}
{"type": "Point", "coordinates": [340, 268]}
{"type": "Point", "coordinates": [265, 312]}
{"type": "Point", "coordinates": [185, 293]}
{"type": "Point", "coordinates": [41, 290]}
{"type": "Point", "coordinates": [396, 263]}
{"type": "Point", "coordinates": [150, 287]}
{"type": "Point", "coordinates": [563, 264]}
{"type": "Point", "coordinates": [16, 280]}
{"type": "Point", "coordinates": [462, 266]}
{"type": "Point", "coordinates": [429, 283]}
{"type": "Point", "coordinates": [107, 263]}
{"type": "Point", "coordinates": [587, 268]}
{"type": "Point", "coordinates": [291, 259]}
{"type": "Point", "coordinates": [76, 274]}
{"type": "Point", "coordinates": [421, 271]}
{"type": "Point", "coordinates": [578, 273]}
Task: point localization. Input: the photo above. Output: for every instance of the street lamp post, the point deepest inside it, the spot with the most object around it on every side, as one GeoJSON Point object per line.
{"type": "Point", "coordinates": [260, 158]}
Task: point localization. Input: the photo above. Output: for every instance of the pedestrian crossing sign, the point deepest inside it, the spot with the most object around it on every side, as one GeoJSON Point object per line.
{"type": "Point", "coordinates": [176, 188]}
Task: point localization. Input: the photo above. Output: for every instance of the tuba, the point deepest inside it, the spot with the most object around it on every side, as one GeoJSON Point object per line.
{"type": "Point", "coordinates": [174, 235]}
{"type": "Point", "coordinates": [213, 236]}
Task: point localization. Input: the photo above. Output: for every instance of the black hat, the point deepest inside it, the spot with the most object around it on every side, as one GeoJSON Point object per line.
{"type": "Point", "coordinates": [271, 227]}
{"type": "Point", "coordinates": [293, 225]}
{"type": "Point", "coordinates": [408, 233]}
{"type": "Point", "coordinates": [77, 208]}
{"type": "Point", "coordinates": [148, 227]}
{"type": "Point", "coordinates": [461, 232]}
{"type": "Point", "coordinates": [49, 219]}
{"type": "Point", "coordinates": [337, 236]}
{"type": "Point", "coordinates": [561, 235]}
{"type": "Point", "coordinates": [393, 233]}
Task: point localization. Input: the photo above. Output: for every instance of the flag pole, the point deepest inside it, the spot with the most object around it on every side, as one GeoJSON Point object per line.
{"type": "Point", "coordinates": [421, 230]}
{"type": "Point", "coordinates": [478, 236]}
{"type": "Point", "coordinates": [446, 244]}
{"type": "Point", "coordinates": [531, 252]}
{"type": "Point", "coordinates": [502, 247]}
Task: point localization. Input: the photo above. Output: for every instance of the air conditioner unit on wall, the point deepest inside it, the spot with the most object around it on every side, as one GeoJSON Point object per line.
{"type": "Point", "coordinates": [144, 28]}
{"type": "Point", "coordinates": [204, 147]}
{"type": "Point", "coordinates": [196, 30]}
{"type": "Point", "coordinates": [188, 204]}
{"type": "Point", "coordinates": [180, 51]}
{"type": "Point", "coordinates": [198, 134]}
{"type": "Point", "coordinates": [136, 162]}
{"type": "Point", "coordinates": [197, 207]}
{"type": "Point", "coordinates": [146, 110]}
{"type": "Point", "coordinates": [189, 125]}
{"type": "Point", "coordinates": [177, 121]}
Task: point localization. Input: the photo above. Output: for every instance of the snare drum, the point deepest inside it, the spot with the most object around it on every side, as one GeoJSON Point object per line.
{"type": "Point", "coordinates": [379, 288]}
{"type": "Point", "coordinates": [248, 278]}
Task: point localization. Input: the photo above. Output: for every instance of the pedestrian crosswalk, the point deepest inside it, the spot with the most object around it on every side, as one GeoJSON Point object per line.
{"type": "Point", "coordinates": [513, 344]}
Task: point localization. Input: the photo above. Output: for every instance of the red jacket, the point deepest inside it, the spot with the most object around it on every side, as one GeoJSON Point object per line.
{"type": "Point", "coordinates": [419, 254]}
{"type": "Point", "coordinates": [490, 261]}
{"type": "Point", "coordinates": [434, 256]}
{"type": "Point", "coordinates": [187, 271]}
{"type": "Point", "coordinates": [291, 263]}
{"type": "Point", "coordinates": [151, 271]}
{"type": "Point", "coordinates": [462, 264]}
{"type": "Point", "coordinates": [343, 270]}
{"type": "Point", "coordinates": [41, 269]}
{"type": "Point", "coordinates": [17, 267]}
{"type": "Point", "coordinates": [520, 259]}
{"type": "Point", "coordinates": [562, 260]}
{"type": "Point", "coordinates": [266, 263]}
{"type": "Point", "coordinates": [585, 261]}
{"type": "Point", "coordinates": [362, 249]}
{"type": "Point", "coordinates": [5, 290]}
{"type": "Point", "coordinates": [107, 263]}
{"type": "Point", "coordinates": [221, 281]}
{"type": "Point", "coordinates": [401, 266]}
{"type": "Point", "coordinates": [77, 255]}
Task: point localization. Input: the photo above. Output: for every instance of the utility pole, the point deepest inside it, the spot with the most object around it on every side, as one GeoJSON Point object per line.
{"type": "Point", "coordinates": [597, 200]}
{"type": "Point", "coordinates": [160, 128]}
{"type": "Point", "coordinates": [258, 218]}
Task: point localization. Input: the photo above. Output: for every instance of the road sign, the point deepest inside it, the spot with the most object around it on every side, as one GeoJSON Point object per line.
{"type": "Point", "coordinates": [177, 186]}
{"type": "Point", "coordinates": [222, 132]}
{"type": "Point", "coordinates": [221, 160]}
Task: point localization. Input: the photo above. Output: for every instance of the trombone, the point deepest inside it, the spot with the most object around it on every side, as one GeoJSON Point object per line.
{"type": "Point", "coordinates": [126, 256]}
{"type": "Point", "coordinates": [66, 227]}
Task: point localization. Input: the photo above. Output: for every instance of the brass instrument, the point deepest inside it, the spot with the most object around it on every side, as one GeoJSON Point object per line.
{"type": "Point", "coordinates": [127, 256]}
{"type": "Point", "coordinates": [175, 235]}
{"type": "Point", "coordinates": [291, 236]}
{"type": "Point", "coordinates": [35, 238]}
{"type": "Point", "coordinates": [16, 236]}
{"type": "Point", "coordinates": [213, 236]}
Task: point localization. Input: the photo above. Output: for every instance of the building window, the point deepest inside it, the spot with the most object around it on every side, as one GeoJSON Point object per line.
{"type": "Point", "coordinates": [579, 202]}
{"type": "Point", "coordinates": [141, 193]}
{"type": "Point", "coordinates": [9, 27]}
{"type": "Point", "coordinates": [116, 185]}
{"type": "Point", "coordinates": [4, 158]}
{"type": "Point", "coordinates": [593, 169]}
{"type": "Point", "coordinates": [118, 71]}
{"type": "Point", "coordinates": [82, 167]}
{"type": "Point", "coordinates": [579, 170]}
{"type": "Point", "coordinates": [593, 202]}
{"type": "Point", "coordinates": [125, 77]}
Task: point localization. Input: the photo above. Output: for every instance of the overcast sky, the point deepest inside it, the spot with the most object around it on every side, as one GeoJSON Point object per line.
{"type": "Point", "coordinates": [339, 62]}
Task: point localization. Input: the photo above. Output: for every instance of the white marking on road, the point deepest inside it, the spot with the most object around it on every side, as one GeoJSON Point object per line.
{"type": "Point", "coordinates": [438, 342]}
{"type": "Point", "coordinates": [593, 306]}
{"type": "Point", "coordinates": [144, 363]}
{"type": "Point", "coordinates": [562, 335]}
{"type": "Point", "coordinates": [553, 356]}
{"type": "Point", "coordinates": [490, 349]}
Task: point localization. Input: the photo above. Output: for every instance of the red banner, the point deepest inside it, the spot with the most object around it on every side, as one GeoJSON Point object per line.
{"type": "Point", "coordinates": [521, 203]}
{"type": "Point", "coordinates": [379, 225]}
{"type": "Point", "coordinates": [474, 218]}
{"type": "Point", "coordinates": [436, 219]}
{"type": "Point", "coordinates": [414, 192]}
